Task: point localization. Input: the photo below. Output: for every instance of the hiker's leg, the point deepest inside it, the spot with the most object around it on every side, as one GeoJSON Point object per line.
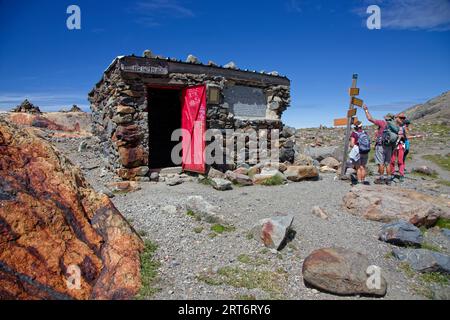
{"type": "Point", "coordinates": [401, 161]}
{"type": "Point", "coordinates": [393, 159]}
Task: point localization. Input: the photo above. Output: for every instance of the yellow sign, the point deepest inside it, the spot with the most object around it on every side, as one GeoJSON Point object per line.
{"type": "Point", "coordinates": [343, 121]}
{"type": "Point", "coordinates": [354, 92]}
{"type": "Point", "coordinates": [351, 113]}
{"type": "Point", "coordinates": [357, 102]}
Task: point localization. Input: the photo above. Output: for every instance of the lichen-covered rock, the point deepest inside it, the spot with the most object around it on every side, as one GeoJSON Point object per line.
{"type": "Point", "coordinates": [383, 204]}
{"type": "Point", "coordinates": [52, 222]}
{"type": "Point", "coordinates": [343, 272]}
{"type": "Point", "coordinates": [272, 232]}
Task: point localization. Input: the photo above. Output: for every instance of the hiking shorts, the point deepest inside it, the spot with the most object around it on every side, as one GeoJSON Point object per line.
{"type": "Point", "coordinates": [363, 160]}
{"type": "Point", "coordinates": [383, 154]}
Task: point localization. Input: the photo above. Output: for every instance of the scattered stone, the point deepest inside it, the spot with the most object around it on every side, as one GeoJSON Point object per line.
{"type": "Point", "coordinates": [221, 184]}
{"type": "Point", "coordinates": [212, 64]}
{"type": "Point", "coordinates": [326, 169]}
{"type": "Point", "coordinates": [75, 108]}
{"type": "Point", "coordinates": [213, 173]}
{"type": "Point", "coordinates": [154, 176]}
{"type": "Point", "coordinates": [123, 186]}
{"type": "Point", "coordinates": [299, 173]}
{"type": "Point", "coordinates": [174, 181]}
{"type": "Point", "coordinates": [169, 209]}
{"type": "Point", "coordinates": [303, 160]}
{"type": "Point", "coordinates": [330, 162]}
{"type": "Point", "coordinates": [239, 179]}
{"type": "Point", "coordinates": [288, 132]}
{"type": "Point", "coordinates": [319, 212]}
{"type": "Point", "coordinates": [268, 174]}
{"type": "Point", "coordinates": [83, 146]}
{"type": "Point", "coordinates": [341, 271]}
{"type": "Point", "coordinates": [273, 231]}
{"type": "Point", "coordinates": [446, 232]}
{"type": "Point", "coordinates": [424, 170]}
{"type": "Point", "coordinates": [423, 260]}
{"type": "Point", "coordinates": [383, 204]}
{"type": "Point", "coordinates": [401, 233]}
{"type": "Point", "coordinates": [148, 54]}
{"type": "Point", "coordinates": [320, 153]}
{"type": "Point", "coordinates": [204, 209]}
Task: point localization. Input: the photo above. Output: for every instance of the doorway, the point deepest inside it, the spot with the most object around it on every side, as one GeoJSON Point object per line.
{"type": "Point", "coordinates": [164, 116]}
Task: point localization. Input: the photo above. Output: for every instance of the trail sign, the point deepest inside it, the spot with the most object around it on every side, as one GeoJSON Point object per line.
{"type": "Point", "coordinates": [354, 92]}
{"type": "Point", "coordinates": [357, 102]}
{"type": "Point", "coordinates": [351, 113]}
{"type": "Point", "coordinates": [344, 121]}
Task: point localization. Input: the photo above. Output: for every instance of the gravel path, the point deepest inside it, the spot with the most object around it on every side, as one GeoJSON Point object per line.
{"type": "Point", "coordinates": [186, 249]}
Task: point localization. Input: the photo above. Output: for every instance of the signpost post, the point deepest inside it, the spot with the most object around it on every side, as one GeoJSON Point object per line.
{"type": "Point", "coordinates": [351, 113]}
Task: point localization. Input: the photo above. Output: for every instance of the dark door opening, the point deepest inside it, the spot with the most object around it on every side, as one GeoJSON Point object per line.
{"type": "Point", "coordinates": [164, 114]}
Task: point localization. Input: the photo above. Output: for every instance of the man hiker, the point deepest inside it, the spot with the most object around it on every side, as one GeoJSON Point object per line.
{"type": "Point", "coordinates": [406, 125]}
{"type": "Point", "coordinates": [361, 140]}
{"type": "Point", "coordinates": [386, 138]}
{"type": "Point", "coordinates": [398, 156]}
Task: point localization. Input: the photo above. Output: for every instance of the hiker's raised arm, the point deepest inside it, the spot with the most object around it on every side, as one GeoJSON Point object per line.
{"type": "Point", "coordinates": [368, 115]}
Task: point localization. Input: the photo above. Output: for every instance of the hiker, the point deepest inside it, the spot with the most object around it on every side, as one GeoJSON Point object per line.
{"type": "Point", "coordinates": [386, 138]}
{"type": "Point", "coordinates": [398, 156]}
{"type": "Point", "coordinates": [360, 139]}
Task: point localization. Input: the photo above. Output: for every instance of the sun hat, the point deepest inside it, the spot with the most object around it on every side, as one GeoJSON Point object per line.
{"type": "Point", "coordinates": [389, 116]}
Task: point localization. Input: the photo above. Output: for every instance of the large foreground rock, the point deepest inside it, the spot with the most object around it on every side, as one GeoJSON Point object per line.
{"type": "Point", "coordinates": [342, 272]}
{"type": "Point", "coordinates": [272, 232]}
{"type": "Point", "coordinates": [423, 260]}
{"type": "Point", "coordinates": [388, 204]}
{"type": "Point", "coordinates": [299, 173]}
{"type": "Point", "coordinates": [52, 222]}
{"type": "Point", "coordinates": [401, 233]}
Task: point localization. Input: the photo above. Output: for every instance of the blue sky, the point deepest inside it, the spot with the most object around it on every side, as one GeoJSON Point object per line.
{"type": "Point", "coordinates": [318, 44]}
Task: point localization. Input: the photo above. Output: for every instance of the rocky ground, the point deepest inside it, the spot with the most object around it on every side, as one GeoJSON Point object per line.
{"type": "Point", "coordinates": [197, 261]}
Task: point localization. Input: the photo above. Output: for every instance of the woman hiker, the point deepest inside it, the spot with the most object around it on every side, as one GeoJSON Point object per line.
{"type": "Point", "coordinates": [361, 140]}
{"type": "Point", "coordinates": [398, 156]}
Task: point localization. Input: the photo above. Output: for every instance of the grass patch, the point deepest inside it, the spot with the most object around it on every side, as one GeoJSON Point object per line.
{"type": "Point", "coordinates": [245, 297]}
{"type": "Point", "coordinates": [212, 235]}
{"type": "Point", "coordinates": [425, 176]}
{"type": "Point", "coordinates": [444, 182]}
{"type": "Point", "coordinates": [435, 278]}
{"type": "Point", "coordinates": [246, 259]}
{"type": "Point", "coordinates": [249, 236]}
{"type": "Point", "coordinates": [407, 270]}
{"type": "Point", "coordinates": [443, 223]}
{"type": "Point", "coordinates": [198, 229]}
{"type": "Point", "coordinates": [276, 180]}
{"type": "Point", "coordinates": [431, 247]}
{"type": "Point", "coordinates": [143, 233]}
{"type": "Point", "coordinates": [194, 215]}
{"type": "Point", "coordinates": [219, 228]}
{"type": "Point", "coordinates": [442, 161]}
{"type": "Point", "coordinates": [389, 255]}
{"type": "Point", "coordinates": [149, 270]}
{"type": "Point", "coordinates": [206, 181]}
{"type": "Point", "coordinates": [268, 281]}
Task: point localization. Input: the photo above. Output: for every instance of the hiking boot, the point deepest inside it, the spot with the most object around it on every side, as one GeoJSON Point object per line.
{"type": "Point", "coordinates": [401, 179]}
{"type": "Point", "coordinates": [388, 182]}
{"type": "Point", "coordinates": [366, 183]}
{"type": "Point", "coordinates": [379, 181]}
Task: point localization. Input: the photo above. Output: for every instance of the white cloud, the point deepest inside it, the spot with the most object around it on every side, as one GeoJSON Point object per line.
{"type": "Point", "coordinates": [431, 15]}
{"type": "Point", "coordinates": [152, 12]}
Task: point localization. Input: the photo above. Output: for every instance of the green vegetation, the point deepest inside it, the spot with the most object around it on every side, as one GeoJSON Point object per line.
{"type": "Point", "coordinates": [245, 297]}
{"type": "Point", "coordinates": [246, 259]}
{"type": "Point", "coordinates": [143, 233]}
{"type": "Point", "coordinates": [443, 223]}
{"type": "Point", "coordinates": [198, 229]}
{"type": "Point", "coordinates": [249, 236]}
{"type": "Point", "coordinates": [435, 277]}
{"type": "Point", "coordinates": [442, 161]}
{"type": "Point", "coordinates": [389, 255]}
{"type": "Point", "coordinates": [406, 268]}
{"type": "Point", "coordinates": [212, 235]}
{"type": "Point", "coordinates": [149, 271]}
{"type": "Point", "coordinates": [219, 228]}
{"type": "Point", "coordinates": [426, 176]}
{"type": "Point", "coordinates": [430, 247]}
{"type": "Point", "coordinates": [444, 182]}
{"type": "Point", "coordinates": [194, 215]}
{"type": "Point", "coordinates": [276, 180]}
{"type": "Point", "coordinates": [206, 181]}
{"type": "Point", "coordinates": [268, 281]}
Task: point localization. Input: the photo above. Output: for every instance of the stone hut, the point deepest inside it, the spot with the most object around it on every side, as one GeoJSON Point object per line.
{"type": "Point", "coordinates": [140, 101]}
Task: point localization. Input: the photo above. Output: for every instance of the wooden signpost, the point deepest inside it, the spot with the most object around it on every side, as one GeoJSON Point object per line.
{"type": "Point", "coordinates": [351, 119]}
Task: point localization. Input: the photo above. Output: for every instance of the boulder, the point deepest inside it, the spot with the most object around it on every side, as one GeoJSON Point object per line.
{"type": "Point", "coordinates": [213, 173]}
{"type": "Point", "coordinates": [401, 233]}
{"type": "Point", "coordinates": [272, 232]}
{"type": "Point", "coordinates": [173, 170]}
{"type": "Point", "coordinates": [388, 204]}
{"type": "Point", "coordinates": [231, 65]}
{"type": "Point", "coordinates": [424, 170]}
{"type": "Point", "coordinates": [330, 162]}
{"type": "Point", "coordinates": [192, 59]}
{"type": "Point", "coordinates": [320, 153]}
{"type": "Point", "coordinates": [303, 160]}
{"type": "Point", "coordinates": [27, 107]}
{"type": "Point", "coordinates": [174, 181]}
{"type": "Point", "coordinates": [287, 155]}
{"type": "Point", "coordinates": [154, 176]}
{"type": "Point", "coordinates": [299, 173]}
{"type": "Point", "coordinates": [133, 157]}
{"type": "Point", "coordinates": [268, 174]}
{"type": "Point", "coordinates": [423, 260]}
{"type": "Point", "coordinates": [343, 272]}
{"type": "Point", "coordinates": [53, 223]}
{"type": "Point", "coordinates": [123, 186]}
{"type": "Point", "coordinates": [326, 169]}
{"type": "Point", "coordinates": [221, 184]}
{"type": "Point", "coordinates": [288, 132]}
{"type": "Point", "coordinates": [239, 179]}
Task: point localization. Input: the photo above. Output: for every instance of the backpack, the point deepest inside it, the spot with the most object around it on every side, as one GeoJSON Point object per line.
{"type": "Point", "coordinates": [363, 142]}
{"type": "Point", "coordinates": [390, 134]}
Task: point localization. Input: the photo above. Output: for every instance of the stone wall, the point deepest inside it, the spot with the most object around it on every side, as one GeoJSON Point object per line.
{"type": "Point", "coordinates": [120, 114]}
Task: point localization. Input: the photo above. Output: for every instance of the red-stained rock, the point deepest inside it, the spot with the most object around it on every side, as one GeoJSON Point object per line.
{"type": "Point", "coordinates": [50, 220]}
{"type": "Point", "coordinates": [133, 157]}
{"type": "Point", "coordinates": [127, 135]}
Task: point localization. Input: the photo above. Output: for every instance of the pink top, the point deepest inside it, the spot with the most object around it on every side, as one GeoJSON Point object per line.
{"type": "Point", "coordinates": [381, 126]}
